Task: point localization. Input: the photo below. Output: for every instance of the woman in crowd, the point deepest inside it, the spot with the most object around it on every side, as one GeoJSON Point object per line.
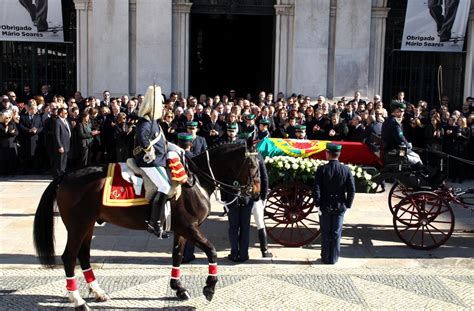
{"type": "Point", "coordinates": [85, 136]}
{"type": "Point", "coordinates": [169, 126]}
{"type": "Point", "coordinates": [8, 146]}
{"type": "Point", "coordinates": [337, 130]}
{"type": "Point", "coordinates": [123, 135]}
{"type": "Point", "coordinates": [96, 122]}
{"type": "Point", "coordinates": [433, 134]}
{"type": "Point", "coordinates": [449, 144]}
{"type": "Point", "coordinates": [462, 144]}
{"type": "Point", "coordinates": [281, 121]}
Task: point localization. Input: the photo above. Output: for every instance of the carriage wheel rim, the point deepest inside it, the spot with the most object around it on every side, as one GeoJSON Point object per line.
{"type": "Point", "coordinates": [292, 221]}
{"type": "Point", "coordinates": [432, 229]}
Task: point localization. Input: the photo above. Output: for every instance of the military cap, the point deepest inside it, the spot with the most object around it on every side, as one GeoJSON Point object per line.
{"type": "Point", "coordinates": [232, 126]}
{"type": "Point", "coordinates": [264, 121]}
{"type": "Point", "coordinates": [185, 137]}
{"type": "Point", "coordinates": [333, 147]}
{"type": "Point", "coordinates": [395, 104]}
{"type": "Point", "coordinates": [300, 128]}
{"type": "Point", "coordinates": [250, 116]}
{"type": "Point", "coordinates": [191, 124]}
{"type": "Point", "coordinates": [244, 135]}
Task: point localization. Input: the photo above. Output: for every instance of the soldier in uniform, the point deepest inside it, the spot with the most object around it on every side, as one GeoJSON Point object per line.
{"type": "Point", "coordinates": [334, 191]}
{"type": "Point", "coordinates": [249, 125]}
{"type": "Point", "coordinates": [199, 144]}
{"type": "Point", "coordinates": [150, 154]}
{"type": "Point", "coordinates": [392, 135]}
{"type": "Point", "coordinates": [300, 131]}
{"type": "Point", "coordinates": [263, 132]}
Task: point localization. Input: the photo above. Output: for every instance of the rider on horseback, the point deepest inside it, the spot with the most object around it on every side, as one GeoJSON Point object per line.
{"type": "Point", "coordinates": [152, 152]}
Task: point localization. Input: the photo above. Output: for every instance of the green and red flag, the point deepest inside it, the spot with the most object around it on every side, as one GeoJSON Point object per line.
{"type": "Point", "coordinates": [352, 152]}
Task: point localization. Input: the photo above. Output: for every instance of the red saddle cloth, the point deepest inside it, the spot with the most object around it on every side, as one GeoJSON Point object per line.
{"type": "Point", "coordinates": [118, 192]}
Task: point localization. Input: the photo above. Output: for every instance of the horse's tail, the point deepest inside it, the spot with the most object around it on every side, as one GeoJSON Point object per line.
{"type": "Point", "coordinates": [43, 228]}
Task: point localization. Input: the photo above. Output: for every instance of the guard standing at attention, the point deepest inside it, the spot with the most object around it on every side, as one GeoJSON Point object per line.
{"type": "Point", "coordinates": [334, 192]}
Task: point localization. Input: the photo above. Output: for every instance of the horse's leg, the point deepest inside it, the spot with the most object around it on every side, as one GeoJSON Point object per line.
{"type": "Point", "coordinates": [197, 237]}
{"type": "Point", "coordinates": [175, 282]}
{"type": "Point", "coordinates": [84, 260]}
{"type": "Point", "coordinates": [74, 242]}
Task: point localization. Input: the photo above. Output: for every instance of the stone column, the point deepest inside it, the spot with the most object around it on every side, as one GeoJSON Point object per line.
{"type": "Point", "coordinates": [377, 48]}
{"type": "Point", "coordinates": [331, 47]}
{"type": "Point", "coordinates": [132, 66]}
{"type": "Point", "coordinates": [284, 30]}
{"type": "Point", "coordinates": [153, 45]}
{"type": "Point", "coordinates": [469, 69]}
{"type": "Point", "coordinates": [311, 40]}
{"type": "Point", "coordinates": [82, 45]}
{"type": "Point", "coordinates": [110, 52]}
{"type": "Point", "coordinates": [351, 53]}
{"type": "Point", "coordinates": [180, 56]}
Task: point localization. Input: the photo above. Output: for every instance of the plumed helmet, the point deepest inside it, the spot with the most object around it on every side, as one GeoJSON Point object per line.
{"type": "Point", "coordinates": [152, 105]}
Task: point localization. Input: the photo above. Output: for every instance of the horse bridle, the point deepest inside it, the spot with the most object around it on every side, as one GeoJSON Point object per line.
{"type": "Point", "coordinates": [235, 188]}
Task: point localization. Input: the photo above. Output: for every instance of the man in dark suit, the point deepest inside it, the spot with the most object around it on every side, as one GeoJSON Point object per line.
{"type": "Point", "coordinates": [356, 130]}
{"type": "Point", "coordinates": [334, 192]}
{"type": "Point", "coordinates": [38, 13]}
{"type": "Point", "coordinates": [444, 22]}
{"type": "Point", "coordinates": [30, 127]}
{"type": "Point", "coordinates": [61, 143]}
{"type": "Point", "coordinates": [213, 130]}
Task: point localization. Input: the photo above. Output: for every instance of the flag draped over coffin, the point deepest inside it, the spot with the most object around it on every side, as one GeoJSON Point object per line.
{"type": "Point", "coordinates": [352, 152]}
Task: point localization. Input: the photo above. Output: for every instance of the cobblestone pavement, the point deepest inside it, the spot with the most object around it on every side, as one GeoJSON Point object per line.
{"type": "Point", "coordinates": [376, 270]}
{"type": "Point", "coordinates": [257, 287]}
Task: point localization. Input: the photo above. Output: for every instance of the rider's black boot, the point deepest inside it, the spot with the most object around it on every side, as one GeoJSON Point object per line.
{"type": "Point", "coordinates": [262, 237]}
{"type": "Point", "coordinates": [155, 224]}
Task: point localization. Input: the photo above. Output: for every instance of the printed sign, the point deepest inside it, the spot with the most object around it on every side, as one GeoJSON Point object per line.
{"type": "Point", "coordinates": [31, 20]}
{"type": "Point", "coordinates": [435, 25]}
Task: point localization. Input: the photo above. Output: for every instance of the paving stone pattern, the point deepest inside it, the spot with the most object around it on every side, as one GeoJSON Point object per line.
{"type": "Point", "coordinates": [242, 288]}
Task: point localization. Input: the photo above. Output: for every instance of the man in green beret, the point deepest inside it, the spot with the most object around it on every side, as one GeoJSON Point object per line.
{"type": "Point", "coordinates": [199, 144]}
{"type": "Point", "coordinates": [393, 137]}
{"type": "Point", "coordinates": [249, 125]}
{"type": "Point", "coordinates": [231, 133]}
{"type": "Point", "coordinates": [334, 191]}
{"type": "Point", "coordinates": [263, 131]}
{"type": "Point", "coordinates": [300, 131]}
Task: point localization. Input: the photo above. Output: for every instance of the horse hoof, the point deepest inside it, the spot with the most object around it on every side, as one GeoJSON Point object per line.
{"type": "Point", "coordinates": [208, 292]}
{"type": "Point", "coordinates": [183, 295]}
{"type": "Point", "coordinates": [102, 297]}
{"type": "Point", "coordinates": [84, 307]}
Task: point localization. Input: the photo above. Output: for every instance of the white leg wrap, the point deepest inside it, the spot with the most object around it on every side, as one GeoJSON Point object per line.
{"type": "Point", "coordinates": [76, 298]}
{"type": "Point", "coordinates": [257, 211]}
{"type": "Point", "coordinates": [98, 292]}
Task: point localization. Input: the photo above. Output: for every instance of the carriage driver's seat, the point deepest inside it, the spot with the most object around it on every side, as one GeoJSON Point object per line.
{"type": "Point", "coordinates": [396, 160]}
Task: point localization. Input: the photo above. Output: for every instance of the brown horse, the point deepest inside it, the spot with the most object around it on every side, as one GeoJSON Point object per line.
{"type": "Point", "coordinates": [229, 167]}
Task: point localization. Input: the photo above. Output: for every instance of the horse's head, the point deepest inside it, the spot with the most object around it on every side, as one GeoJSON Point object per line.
{"type": "Point", "coordinates": [236, 169]}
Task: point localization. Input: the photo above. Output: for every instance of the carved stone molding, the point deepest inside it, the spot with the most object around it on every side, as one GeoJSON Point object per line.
{"type": "Point", "coordinates": [82, 4]}
{"type": "Point", "coordinates": [182, 8]}
{"type": "Point", "coordinates": [332, 11]}
{"type": "Point", "coordinates": [380, 12]}
{"type": "Point", "coordinates": [284, 9]}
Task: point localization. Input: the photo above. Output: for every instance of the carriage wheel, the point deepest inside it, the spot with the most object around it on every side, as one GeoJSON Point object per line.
{"type": "Point", "coordinates": [396, 194]}
{"type": "Point", "coordinates": [291, 217]}
{"type": "Point", "coordinates": [423, 220]}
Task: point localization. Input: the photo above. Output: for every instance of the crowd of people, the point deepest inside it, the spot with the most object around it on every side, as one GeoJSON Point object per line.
{"type": "Point", "coordinates": [46, 132]}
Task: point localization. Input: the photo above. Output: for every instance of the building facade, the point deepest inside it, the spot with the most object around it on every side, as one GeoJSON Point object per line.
{"type": "Point", "coordinates": [329, 47]}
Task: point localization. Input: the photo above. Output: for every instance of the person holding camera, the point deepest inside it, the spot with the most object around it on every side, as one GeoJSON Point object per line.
{"type": "Point", "coordinates": [334, 192]}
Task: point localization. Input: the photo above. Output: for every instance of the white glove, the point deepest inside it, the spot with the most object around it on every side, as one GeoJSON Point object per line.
{"type": "Point", "coordinates": [409, 146]}
{"type": "Point", "coordinates": [149, 156]}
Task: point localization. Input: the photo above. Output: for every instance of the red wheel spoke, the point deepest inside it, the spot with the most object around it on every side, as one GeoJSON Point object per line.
{"type": "Point", "coordinates": [437, 229]}
{"type": "Point", "coordinates": [411, 239]}
{"type": "Point", "coordinates": [283, 230]}
{"type": "Point", "coordinates": [422, 235]}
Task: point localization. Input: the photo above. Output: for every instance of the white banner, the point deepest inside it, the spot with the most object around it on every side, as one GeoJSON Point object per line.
{"type": "Point", "coordinates": [31, 20]}
{"type": "Point", "coordinates": [435, 25]}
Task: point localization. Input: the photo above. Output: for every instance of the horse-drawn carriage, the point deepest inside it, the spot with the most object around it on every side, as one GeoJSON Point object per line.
{"type": "Point", "coordinates": [420, 203]}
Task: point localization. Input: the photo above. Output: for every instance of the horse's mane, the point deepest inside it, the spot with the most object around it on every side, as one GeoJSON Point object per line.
{"type": "Point", "coordinates": [219, 146]}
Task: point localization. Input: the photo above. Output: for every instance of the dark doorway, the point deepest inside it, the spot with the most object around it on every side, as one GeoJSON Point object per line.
{"type": "Point", "coordinates": [231, 52]}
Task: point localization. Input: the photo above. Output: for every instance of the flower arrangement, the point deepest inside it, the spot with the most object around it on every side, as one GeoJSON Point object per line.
{"type": "Point", "coordinates": [283, 169]}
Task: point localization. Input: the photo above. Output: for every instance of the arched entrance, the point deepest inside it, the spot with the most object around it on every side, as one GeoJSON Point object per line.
{"type": "Point", "coordinates": [231, 46]}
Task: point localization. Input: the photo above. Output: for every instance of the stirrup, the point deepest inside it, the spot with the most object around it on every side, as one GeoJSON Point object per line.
{"type": "Point", "coordinates": [158, 230]}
